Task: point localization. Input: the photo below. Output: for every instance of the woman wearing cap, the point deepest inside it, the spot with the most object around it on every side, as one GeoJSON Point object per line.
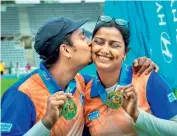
{"type": "Point", "coordinates": [115, 94]}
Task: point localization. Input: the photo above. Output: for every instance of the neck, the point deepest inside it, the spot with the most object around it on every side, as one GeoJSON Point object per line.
{"type": "Point", "coordinates": [109, 78]}
{"type": "Point", "coordinates": [63, 74]}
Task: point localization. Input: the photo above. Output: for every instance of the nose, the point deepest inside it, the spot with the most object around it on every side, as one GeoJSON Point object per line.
{"type": "Point", "coordinates": [89, 42]}
{"type": "Point", "coordinates": [105, 49]}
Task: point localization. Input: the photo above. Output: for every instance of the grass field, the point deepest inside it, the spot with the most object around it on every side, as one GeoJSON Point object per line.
{"type": "Point", "coordinates": [6, 83]}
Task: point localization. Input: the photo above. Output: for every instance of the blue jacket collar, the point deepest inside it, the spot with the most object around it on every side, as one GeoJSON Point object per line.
{"type": "Point", "coordinates": [96, 84]}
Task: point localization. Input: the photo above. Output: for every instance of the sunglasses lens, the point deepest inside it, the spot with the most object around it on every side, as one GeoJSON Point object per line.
{"type": "Point", "coordinates": [121, 22]}
{"type": "Point", "coordinates": [108, 19]}
{"type": "Point", "coordinates": [105, 18]}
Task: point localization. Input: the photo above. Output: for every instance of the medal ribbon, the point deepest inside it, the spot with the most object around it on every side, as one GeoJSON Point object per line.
{"type": "Point", "coordinates": [53, 87]}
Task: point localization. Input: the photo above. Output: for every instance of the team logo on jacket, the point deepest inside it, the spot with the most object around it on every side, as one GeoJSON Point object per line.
{"type": "Point", "coordinates": [171, 97]}
{"type": "Point", "coordinates": [5, 127]}
{"type": "Point", "coordinates": [93, 115]}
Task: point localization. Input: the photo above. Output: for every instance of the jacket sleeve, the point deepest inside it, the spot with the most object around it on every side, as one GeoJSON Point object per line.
{"type": "Point", "coordinates": [160, 97]}
{"type": "Point", "coordinates": [18, 113]}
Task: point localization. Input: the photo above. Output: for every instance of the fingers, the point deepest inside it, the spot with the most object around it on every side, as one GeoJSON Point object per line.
{"type": "Point", "coordinates": [58, 96]}
{"type": "Point", "coordinates": [156, 68]}
{"type": "Point", "coordinates": [69, 95]}
{"type": "Point", "coordinates": [129, 92]}
{"type": "Point", "coordinates": [124, 87]}
{"type": "Point", "coordinates": [142, 60]}
{"type": "Point", "coordinates": [57, 100]}
{"type": "Point", "coordinates": [58, 93]}
{"type": "Point", "coordinates": [59, 103]}
{"type": "Point", "coordinates": [61, 96]}
{"type": "Point", "coordinates": [53, 103]}
{"type": "Point", "coordinates": [130, 95]}
{"type": "Point", "coordinates": [152, 66]}
{"type": "Point", "coordinates": [143, 66]}
{"type": "Point", "coordinates": [135, 63]}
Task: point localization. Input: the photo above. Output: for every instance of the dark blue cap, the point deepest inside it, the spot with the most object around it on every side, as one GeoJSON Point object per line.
{"type": "Point", "coordinates": [51, 34]}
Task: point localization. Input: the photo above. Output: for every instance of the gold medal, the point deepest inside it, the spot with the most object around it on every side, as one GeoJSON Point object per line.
{"type": "Point", "coordinates": [69, 109]}
{"type": "Point", "coordinates": [114, 100]}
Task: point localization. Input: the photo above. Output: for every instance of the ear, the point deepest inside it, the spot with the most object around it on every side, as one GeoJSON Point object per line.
{"type": "Point", "coordinates": [65, 50]}
{"type": "Point", "coordinates": [125, 54]}
{"type": "Point", "coordinates": [126, 51]}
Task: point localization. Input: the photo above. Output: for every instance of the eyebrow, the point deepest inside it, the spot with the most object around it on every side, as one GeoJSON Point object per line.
{"type": "Point", "coordinates": [99, 38]}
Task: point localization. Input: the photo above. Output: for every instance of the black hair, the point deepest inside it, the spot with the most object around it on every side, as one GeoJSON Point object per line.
{"type": "Point", "coordinates": [123, 30]}
{"type": "Point", "coordinates": [55, 55]}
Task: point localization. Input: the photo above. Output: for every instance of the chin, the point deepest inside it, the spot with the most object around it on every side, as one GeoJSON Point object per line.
{"type": "Point", "coordinates": [103, 67]}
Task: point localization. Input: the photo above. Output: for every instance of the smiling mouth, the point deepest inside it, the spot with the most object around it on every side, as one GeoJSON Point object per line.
{"type": "Point", "coordinates": [104, 57]}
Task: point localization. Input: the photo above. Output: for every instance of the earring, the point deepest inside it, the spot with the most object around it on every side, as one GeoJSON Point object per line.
{"type": "Point", "coordinates": [124, 58]}
{"type": "Point", "coordinates": [69, 57]}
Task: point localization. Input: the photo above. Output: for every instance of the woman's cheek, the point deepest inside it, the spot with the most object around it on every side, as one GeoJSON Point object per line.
{"type": "Point", "coordinates": [118, 54]}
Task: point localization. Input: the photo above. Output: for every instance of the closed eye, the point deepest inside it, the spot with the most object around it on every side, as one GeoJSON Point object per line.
{"type": "Point", "coordinates": [115, 45]}
{"type": "Point", "coordinates": [99, 41]}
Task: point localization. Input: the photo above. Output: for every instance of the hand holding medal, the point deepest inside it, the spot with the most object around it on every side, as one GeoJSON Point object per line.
{"type": "Point", "coordinates": [55, 103]}
{"type": "Point", "coordinates": [130, 100]}
{"type": "Point", "coordinates": [125, 97]}
{"type": "Point", "coordinates": [59, 104]}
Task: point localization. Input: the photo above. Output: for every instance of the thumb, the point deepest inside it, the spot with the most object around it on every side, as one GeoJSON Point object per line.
{"type": "Point", "coordinates": [135, 63]}
{"type": "Point", "coordinates": [69, 95]}
{"type": "Point", "coordinates": [120, 89]}
{"type": "Point", "coordinates": [156, 68]}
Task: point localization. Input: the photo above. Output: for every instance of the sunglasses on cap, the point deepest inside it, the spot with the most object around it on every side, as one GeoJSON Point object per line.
{"type": "Point", "coordinates": [107, 19]}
